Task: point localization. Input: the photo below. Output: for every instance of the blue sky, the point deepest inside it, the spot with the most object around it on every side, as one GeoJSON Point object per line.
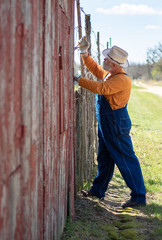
{"type": "Point", "coordinates": [132, 25]}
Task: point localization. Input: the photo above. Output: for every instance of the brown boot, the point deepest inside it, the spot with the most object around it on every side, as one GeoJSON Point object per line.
{"type": "Point", "coordinates": [87, 193]}
{"type": "Point", "coordinates": [131, 203]}
{"type": "Point", "coordinates": [90, 194]}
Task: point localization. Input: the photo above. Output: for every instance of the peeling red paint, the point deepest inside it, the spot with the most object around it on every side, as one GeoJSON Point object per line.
{"type": "Point", "coordinates": [36, 118]}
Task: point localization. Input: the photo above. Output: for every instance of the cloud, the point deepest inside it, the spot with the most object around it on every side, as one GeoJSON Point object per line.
{"type": "Point", "coordinates": [152, 27]}
{"type": "Point", "coordinates": [130, 9]}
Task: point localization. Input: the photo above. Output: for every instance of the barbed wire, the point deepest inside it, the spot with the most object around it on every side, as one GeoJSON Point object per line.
{"type": "Point", "coordinates": [94, 50]}
{"type": "Point", "coordinates": [82, 10]}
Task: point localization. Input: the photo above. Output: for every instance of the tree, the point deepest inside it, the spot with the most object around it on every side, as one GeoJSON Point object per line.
{"type": "Point", "coordinates": [154, 61]}
{"type": "Point", "coordinates": [157, 70]}
{"type": "Point", "coordinates": [155, 54]}
{"type": "Point", "coordinates": [138, 71]}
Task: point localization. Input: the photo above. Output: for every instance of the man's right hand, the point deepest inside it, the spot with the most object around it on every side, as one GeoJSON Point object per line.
{"type": "Point", "coordinates": [83, 45]}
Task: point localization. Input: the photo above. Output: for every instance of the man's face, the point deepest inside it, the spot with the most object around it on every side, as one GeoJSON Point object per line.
{"type": "Point", "coordinates": [107, 65]}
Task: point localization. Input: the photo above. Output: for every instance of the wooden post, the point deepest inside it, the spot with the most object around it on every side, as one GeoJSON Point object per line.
{"type": "Point", "coordinates": [80, 157]}
{"type": "Point", "coordinates": [110, 42]}
{"type": "Point", "coordinates": [88, 30]}
{"type": "Point", "coordinates": [98, 47]}
{"type": "Point", "coordinates": [90, 116]}
{"type": "Point", "coordinates": [87, 98]}
{"type": "Point", "coordinates": [79, 19]}
{"type": "Point", "coordinates": [80, 33]}
{"type": "Point", "coordinates": [107, 46]}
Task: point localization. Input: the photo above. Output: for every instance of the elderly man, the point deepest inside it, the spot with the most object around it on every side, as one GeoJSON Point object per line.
{"type": "Point", "coordinates": [114, 124]}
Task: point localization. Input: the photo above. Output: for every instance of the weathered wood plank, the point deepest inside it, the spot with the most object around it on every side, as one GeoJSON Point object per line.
{"type": "Point", "coordinates": [36, 159]}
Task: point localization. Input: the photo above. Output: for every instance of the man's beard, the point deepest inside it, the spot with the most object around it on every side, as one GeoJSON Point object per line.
{"type": "Point", "coordinates": [106, 67]}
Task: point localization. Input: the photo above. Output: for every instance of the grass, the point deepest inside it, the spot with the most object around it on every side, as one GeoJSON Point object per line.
{"type": "Point", "coordinates": [146, 113]}
{"type": "Point", "coordinates": [83, 227]}
{"type": "Point", "coordinates": [145, 110]}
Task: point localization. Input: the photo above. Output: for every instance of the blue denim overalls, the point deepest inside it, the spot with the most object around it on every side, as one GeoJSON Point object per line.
{"type": "Point", "coordinates": [115, 147]}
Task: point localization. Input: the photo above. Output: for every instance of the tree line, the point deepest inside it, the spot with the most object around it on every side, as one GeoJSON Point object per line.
{"type": "Point", "coordinates": [153, 67]}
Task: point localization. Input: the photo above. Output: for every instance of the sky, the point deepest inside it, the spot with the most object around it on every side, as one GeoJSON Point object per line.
{"type": "Point", "coordinates": [135, 26]}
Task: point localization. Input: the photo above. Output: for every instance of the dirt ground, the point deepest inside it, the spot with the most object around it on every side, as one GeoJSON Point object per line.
{"type": "Point", "coordinates": [149, 87]}
{"type": "Point", "coordinates": [95, 219]}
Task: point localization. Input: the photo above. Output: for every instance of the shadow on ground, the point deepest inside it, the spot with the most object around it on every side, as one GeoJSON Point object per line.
{"type": "Point", "coordinates": [95, 219]}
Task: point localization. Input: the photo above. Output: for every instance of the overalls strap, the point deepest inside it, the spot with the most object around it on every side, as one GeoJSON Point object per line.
{"type": "Point", "coordinates": [116, 74]}
{"type": "Point", "coordinates": [102, 105]}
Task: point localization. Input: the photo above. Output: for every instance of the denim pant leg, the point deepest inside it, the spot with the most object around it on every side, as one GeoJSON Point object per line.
{"type": "Point", "coordinates": [121, 149]}
{"type": "Point", "coordinates": [105, 169]}
{"type": "Point", "coordinates": [130, 169]}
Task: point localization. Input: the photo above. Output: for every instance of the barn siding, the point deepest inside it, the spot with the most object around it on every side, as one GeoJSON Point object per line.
{"type": "Point", "coordinates": [36, 118]}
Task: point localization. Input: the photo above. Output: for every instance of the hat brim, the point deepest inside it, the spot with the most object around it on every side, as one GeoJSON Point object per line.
{"type": "Point", "coordinates": [106, 53]}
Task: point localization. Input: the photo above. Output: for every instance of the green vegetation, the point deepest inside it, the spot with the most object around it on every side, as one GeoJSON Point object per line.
{"type": "Point", "coordinates": [97, 220]}
{"type": "Point", "coordinates": [154, 61]}
{"type": "Point", "coordinates": [146, 113]}
{"type": "Point", "coordinates": [75, 230]}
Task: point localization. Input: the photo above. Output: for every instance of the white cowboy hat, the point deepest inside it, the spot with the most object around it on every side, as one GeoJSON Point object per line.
{"type": "Point", "coordinates": [117, 55]}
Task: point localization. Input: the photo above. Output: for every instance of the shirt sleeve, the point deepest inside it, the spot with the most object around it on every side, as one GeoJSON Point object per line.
{"type": "Point", "coordinates": [108, 87]}
{"type": "Point", "coordinates": [94, 68]}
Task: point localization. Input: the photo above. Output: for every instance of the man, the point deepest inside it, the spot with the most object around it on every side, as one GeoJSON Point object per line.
{"type": "Point", "coordinates": [114, 124]}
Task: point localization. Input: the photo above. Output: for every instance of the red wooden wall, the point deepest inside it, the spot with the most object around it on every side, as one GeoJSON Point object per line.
{"type": "Point", "coordinates": [36, 118]}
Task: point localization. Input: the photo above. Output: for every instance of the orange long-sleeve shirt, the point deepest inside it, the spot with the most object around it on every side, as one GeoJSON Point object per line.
{"type": "Point", "coordinates": [116, 90]}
